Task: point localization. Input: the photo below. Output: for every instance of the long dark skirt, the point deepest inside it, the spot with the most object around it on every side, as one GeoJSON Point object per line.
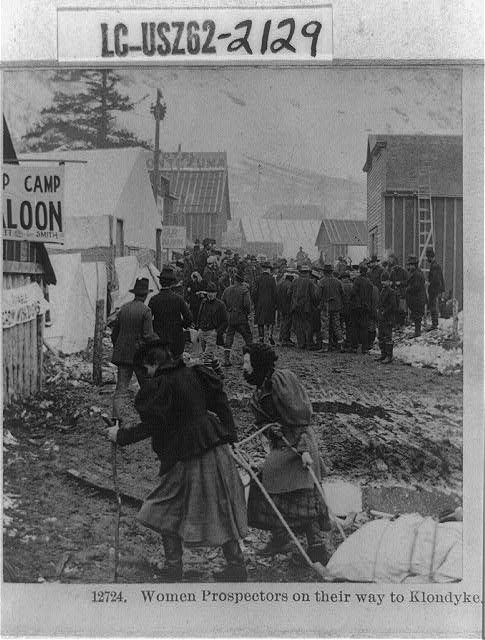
{"type": "Point", "coordinates": [201, 500]}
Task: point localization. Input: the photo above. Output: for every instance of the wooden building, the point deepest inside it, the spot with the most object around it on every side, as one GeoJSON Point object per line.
{"type": "Point", "coordinates": [279, 238]}
{"type": "Point", "coordinates": [415, 199]}
{"type": "Point", "coordinates": [198, 187]}
{"type": "Point", "coordinates": [27, 271]}
{"type": "Point", "coordinates": [347, 238]}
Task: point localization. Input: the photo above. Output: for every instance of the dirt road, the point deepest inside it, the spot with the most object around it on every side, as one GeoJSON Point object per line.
{"type": "Point", "coordinates": [393, 430]}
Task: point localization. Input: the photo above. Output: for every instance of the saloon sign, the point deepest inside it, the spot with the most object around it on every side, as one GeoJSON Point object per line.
{"type": "Point", "coordinates": [33, 200]}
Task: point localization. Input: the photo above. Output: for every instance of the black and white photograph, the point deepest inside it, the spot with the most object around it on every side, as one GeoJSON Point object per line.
{"type": "Point", "coordinates": [234, 312]}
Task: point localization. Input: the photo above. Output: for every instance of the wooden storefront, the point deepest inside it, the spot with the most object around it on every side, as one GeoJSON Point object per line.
{"type": "Point", "coordinates": [401, 235]}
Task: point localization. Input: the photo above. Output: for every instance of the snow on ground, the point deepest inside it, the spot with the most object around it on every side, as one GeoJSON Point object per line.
{"type": "Point", "coordinates": [434, 349]}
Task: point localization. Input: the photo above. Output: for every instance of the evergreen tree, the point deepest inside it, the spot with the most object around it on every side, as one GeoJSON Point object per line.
{"type": "Point", "coordinates": [83, 117]}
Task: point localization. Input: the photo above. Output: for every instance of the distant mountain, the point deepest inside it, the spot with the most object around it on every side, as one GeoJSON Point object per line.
{"type": "Point", "coordinates": [277, 191]}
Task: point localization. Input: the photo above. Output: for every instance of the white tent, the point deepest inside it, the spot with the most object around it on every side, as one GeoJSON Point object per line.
{"type": "Point", "coordinates": [73, 301]}
{"type": "Point", "coordinates": [128, 269]}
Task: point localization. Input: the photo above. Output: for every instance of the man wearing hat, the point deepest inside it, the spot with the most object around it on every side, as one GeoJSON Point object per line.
{"type": "Point", "coordinates": [171, 313]}
{"type": "Point", "coordinates": [375, 272]}
{"type": "Point", "coordinates": [331, 307]}
{"type": "Point", "coordinates": [360, 309]}
{"type": "Point", "coordinates": [283, 301]}
{"type": "Point", "coordinates": [303, 299]}
{"type": "Point", "coordinates": [415, 294]}
{"type": "Point", "coordinates": [265, 301]}
{"type": "Point", "coordinates": [211, 321]}
{"type": "Point", "coordinates": [130, 329]}
{"type": "Point", "coordinates": [238, 306]}
{"type": "Point", "coordinates": [345, 322]}
{"type": "Point", "coordinates": [436, 286]}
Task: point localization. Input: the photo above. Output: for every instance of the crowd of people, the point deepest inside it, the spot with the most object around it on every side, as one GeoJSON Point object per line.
{"type": "Point", "coordinates": [184, 410]}
{"type": "Point", "coordinates": [315, 306]}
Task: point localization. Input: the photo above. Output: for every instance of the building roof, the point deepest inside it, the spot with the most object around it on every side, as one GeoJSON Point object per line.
{"type": "Point", "coordinates": [198, 190]}
{"type": "Point", "coordinates": [292, 234]}
{"type": "Point", "coordinates": [347, 232]}
{"type": "Point", "coordinates": [408, 155]}
{"type": "Point", "coordinates": [295, 212]}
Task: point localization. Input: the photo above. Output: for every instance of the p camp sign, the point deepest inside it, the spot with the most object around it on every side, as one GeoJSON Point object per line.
{"type": "Point", "coordinates": [33, 201]}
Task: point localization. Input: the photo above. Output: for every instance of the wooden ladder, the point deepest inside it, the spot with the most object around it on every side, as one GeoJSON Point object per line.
{"type": "Point", "coordinates": [425, 214]}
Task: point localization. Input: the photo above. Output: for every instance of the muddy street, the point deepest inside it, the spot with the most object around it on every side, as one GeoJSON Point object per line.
{"type": "Point", "coordinates": [395, 432]}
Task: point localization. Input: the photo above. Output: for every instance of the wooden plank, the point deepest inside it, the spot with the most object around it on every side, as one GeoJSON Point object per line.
{"type": "Point", "coordinates": [104, 483]}
{"type": "Point", "coordinates": [393, 223]}
{"type": "Point", "coordinates": [415, 203]}
{"type": "Point", "coordinates": [13, 266]}
{"type": "Point", "coordinates": [40, 356]}
{"type": "Point", "coordinates": [454, 247]}
{"type": "Point", "coordinates": [403, 201]}
{"type": "Point", "coordinates": [445, 223]}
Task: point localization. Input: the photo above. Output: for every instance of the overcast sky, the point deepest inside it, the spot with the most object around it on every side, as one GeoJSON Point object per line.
{"type": "Point", "coordinates": [314, 120]}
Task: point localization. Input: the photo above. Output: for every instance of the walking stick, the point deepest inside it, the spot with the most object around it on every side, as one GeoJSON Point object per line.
{"type": "Point", "coordinates": [114, 469]}
{"type": "Point", "coordinates": [316, 566]}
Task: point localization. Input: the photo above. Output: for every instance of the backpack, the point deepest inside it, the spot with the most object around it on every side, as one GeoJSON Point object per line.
{"type": "Point", "coordinates": [290, 398]}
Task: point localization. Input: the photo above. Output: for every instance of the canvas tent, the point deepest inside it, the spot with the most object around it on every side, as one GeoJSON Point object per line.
{"type": "Point", "coordinates": [73, 302]}
{"type": "Point", "coordinates": [79, 285]}
{"type": "Point", "coordinates": [108, 201]}
{"type": "Point", "coordinates": [128, 269]}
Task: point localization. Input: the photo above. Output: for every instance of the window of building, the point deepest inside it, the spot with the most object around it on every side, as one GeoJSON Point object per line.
{"type": "Point", "coordinates": [373, 241]}
{"type": "Point", "coordinates": [120, 238]}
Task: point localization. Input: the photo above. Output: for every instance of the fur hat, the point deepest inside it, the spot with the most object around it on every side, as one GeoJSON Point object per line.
{"type": "Point", "coordinates": [167, 277]}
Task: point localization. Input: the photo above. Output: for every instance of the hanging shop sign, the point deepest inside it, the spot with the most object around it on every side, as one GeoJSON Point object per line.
{"type": "Point", "coordinates": [33, 203]}
{"type": "Point", "coordinates": [174, 237]}
{"type": "Point", "coordinates": [22, 304]}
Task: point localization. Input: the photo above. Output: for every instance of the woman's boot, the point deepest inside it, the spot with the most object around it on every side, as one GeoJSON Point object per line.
{"type": "Point", "coordinates": [236, 566]}
{"type": "Point", "coordinates": [389, 350]}
{"type": "Point", "coordinates": [172, 570]}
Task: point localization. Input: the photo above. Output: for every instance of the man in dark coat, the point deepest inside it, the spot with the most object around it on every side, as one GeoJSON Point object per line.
{"type": "Point", "coordinates": [171, 313]}
{"type": "Point", "coordinates": [399, 278]}
{"type": "Point", "coordinates": [436, 286]}
{"type": "Point", "coordinates": [211, 321]}
{"type": "Point", "coordinates": [360, 309]}
{"type": "Point", "coordinates": [345, 321]}
{"type": "Point", "coordinates": [386, 314]}
{"type": "Point", "coordinates": [238, 306]}
{"type": "Point", "coordinates": [283, 300]}
{"type": "Point", "coordinates": [131, 326]}
{"type": "Point", "coordinates": [375, 272]}
{"type": "Point", "coordinates": [416, 294]}
{"type": "Point", "coordinates": [200, 496]}
{"type": "Point", "coordinates": [303, 295]}
{"type": "Point", "coordinates": [264, 299]}
{"type": "Point", "coordinates": [331, 307]}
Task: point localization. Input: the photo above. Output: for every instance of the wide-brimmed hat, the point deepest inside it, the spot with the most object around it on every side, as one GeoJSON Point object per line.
{"type": "Point", "coordinates": [412, 260]}
{"type": "Point", "coordinates": [167, 277]}
{"type": "Point", "coordinates": [373, 259]}
{"type": "Point", "coordinates": [363, 267]}
{"type": "Point", "coordinates": [141, 287]}
{"type": "Point", "coordinates": [305, 268]}
{"type": "Point", "coordinates": [211, 287]}
{"type": "Point", "coordinates": [327, 268]}
{"type": "Point", "coordinates": [266, 265]}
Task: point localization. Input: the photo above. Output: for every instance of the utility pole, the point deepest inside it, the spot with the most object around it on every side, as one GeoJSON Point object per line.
{"type": "Point", "coordinates": [159, 111]}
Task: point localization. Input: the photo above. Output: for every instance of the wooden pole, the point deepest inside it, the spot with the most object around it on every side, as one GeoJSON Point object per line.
{"type": "Point", "coordinates": [98, 342]}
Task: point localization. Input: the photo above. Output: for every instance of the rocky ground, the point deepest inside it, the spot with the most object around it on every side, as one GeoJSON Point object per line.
{"type": "Point", "coordinates": [393, 431]}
